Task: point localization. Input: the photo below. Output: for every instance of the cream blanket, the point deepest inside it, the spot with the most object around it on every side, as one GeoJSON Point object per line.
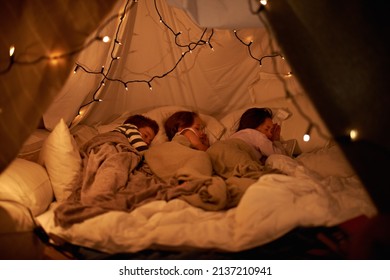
{"type": "Point", "coordinates": [235, 161]}
{"type": "Point", "coordinates": [176, 163]}
{"type": "Point", "coordinates": [112, 178]}
{"type": "Point", "coordinates": [272, 206]}
{"type": "Point", "coordinates": [115, 177]}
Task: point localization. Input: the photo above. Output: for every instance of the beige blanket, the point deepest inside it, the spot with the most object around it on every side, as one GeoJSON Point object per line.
{"type": "Point", "coordinates": [176, 163]}
{"type": "Point", "coordinates": [112, 178]}
{"type": "Point", "coordinates": [235, 161]}
{"type": "Point", "coordinates": [115, 177]}
{"type": "Point", "coordinates": [222, 174]}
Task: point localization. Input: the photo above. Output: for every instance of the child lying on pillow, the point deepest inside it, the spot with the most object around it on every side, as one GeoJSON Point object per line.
{"type": "Point", "coordinates": [257, 129]}
{"type": "Point", "coordinates": [139, 130]}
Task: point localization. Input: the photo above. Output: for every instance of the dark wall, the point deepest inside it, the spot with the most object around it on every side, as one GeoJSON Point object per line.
{"type": "Point", "coordinates": [338, 50]}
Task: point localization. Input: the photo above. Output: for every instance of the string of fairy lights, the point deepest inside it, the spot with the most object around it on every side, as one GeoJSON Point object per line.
{"type": "Point", "coordinates": [259, 11]}
{"type": "Point", "coordinates": [205, 39]}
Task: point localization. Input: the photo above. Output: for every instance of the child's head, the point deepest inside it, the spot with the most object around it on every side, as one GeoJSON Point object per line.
{"type": "Point", "coordinates": [180, 120]}
{"type": "Point", "coordinates": [147, 127]}
{"type": "Point", "coordinates": [259, 119]}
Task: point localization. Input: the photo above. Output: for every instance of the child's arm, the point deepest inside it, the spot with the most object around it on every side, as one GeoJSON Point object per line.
{"type": "Point", "coordinates": [196, 141]}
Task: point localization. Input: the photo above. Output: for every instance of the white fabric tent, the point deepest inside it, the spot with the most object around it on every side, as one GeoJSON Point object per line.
{"type": "Point", "coordinates": [216, 77]}
{"type": "Point", "coordinates": [50, 37]}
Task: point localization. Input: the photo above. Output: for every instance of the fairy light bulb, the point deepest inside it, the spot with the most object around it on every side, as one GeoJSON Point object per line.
{"type": "Point", "coordinates": [306, 136]}
{"type": "Point", "coordinates": [353, 134]}
{"type": "Point", "coordinates": [54, 60]}
{"type": "Point", "coordinates": [263, 2]}
{"type": "Point", "coordinates": [106, 39]}
{"type": "Point", "coordinates": [11, 51]}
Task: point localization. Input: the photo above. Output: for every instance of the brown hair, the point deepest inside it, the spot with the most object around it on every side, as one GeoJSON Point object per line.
{"type": "Point", "coordinates": [142, 121]}
{"type": "Point", "coordinates": [180, 119]}
{"type": "Point", "coordinates": [254, 117]}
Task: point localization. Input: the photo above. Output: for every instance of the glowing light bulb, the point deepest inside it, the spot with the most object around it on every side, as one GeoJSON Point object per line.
{"type": "Point", "coordinates": [11, 51]}
{"type": "Point", "coordinates": [306, 137]}
{"type": "Point", "coordinates": [54, 60]}
{"type": "Point", "coordinates": [106, 39]}
{"type": "Point", "coordinates": [353, 134]}
{"type": "Point", "coordinates": [263, 2]}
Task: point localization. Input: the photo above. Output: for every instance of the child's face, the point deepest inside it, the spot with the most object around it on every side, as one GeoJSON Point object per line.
{"type": "Point", "coordinates": [266, 128]}
{"type": "Point", "coordinates": [147, 134]}
{"type": "Point", "coordinates": [198, 127]}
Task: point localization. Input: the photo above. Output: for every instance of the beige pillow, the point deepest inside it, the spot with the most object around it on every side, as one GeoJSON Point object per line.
{"type": "Point", "coordinates": [60, 155]}
{"type": "Point", "coordinates": [26, 183]}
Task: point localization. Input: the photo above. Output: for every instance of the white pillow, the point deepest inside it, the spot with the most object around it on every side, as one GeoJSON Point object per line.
{"type": "Point", "coordinates": [60, 155]}
{"type": "Point", "coordinates": [27, 183]}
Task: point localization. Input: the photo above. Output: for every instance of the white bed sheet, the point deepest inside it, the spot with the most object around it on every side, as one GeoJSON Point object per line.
{"type": "Point", "coordinates": [271, 207]}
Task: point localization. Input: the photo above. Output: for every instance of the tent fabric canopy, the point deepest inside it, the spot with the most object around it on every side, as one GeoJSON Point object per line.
{"type": "Point", "coordinates": [52, 37]}
{"type": "Point", "coordinates": [213, 77]}
{"type": "Point", "coordinates": [214, 70]}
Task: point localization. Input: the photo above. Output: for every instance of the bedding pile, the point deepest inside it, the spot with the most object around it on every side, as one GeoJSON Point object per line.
{"type": "Point", "coordinates": [115, 177]}
{"type": "Point", "coordinates": [269, 208]}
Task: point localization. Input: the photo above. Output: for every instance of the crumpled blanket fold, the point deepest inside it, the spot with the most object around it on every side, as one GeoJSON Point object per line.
{"type": "Point", "coordinates": [115, 177]}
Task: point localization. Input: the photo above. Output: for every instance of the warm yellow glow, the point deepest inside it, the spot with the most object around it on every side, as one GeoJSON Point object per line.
{"type": "Point", "coordinates": [55, 58]}
{"type": "Point", "coordinates": [306, 137]}
{"type": "Point", "coordinates": [263, 2]}
{"type": "Point", "coordinates": [106, 39]}
{"type": "Point", "coordinates": [353, 134]}
{"type": "Point", "coordinates": [249, 39]}
{"type": "Point", "coordinates": [11, 51]}
{"type": "Point", "coordinates": [82, 111]}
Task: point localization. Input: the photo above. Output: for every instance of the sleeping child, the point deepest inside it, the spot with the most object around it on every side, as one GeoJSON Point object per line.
{"type": "Point", "coordinates": [139, 130]}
